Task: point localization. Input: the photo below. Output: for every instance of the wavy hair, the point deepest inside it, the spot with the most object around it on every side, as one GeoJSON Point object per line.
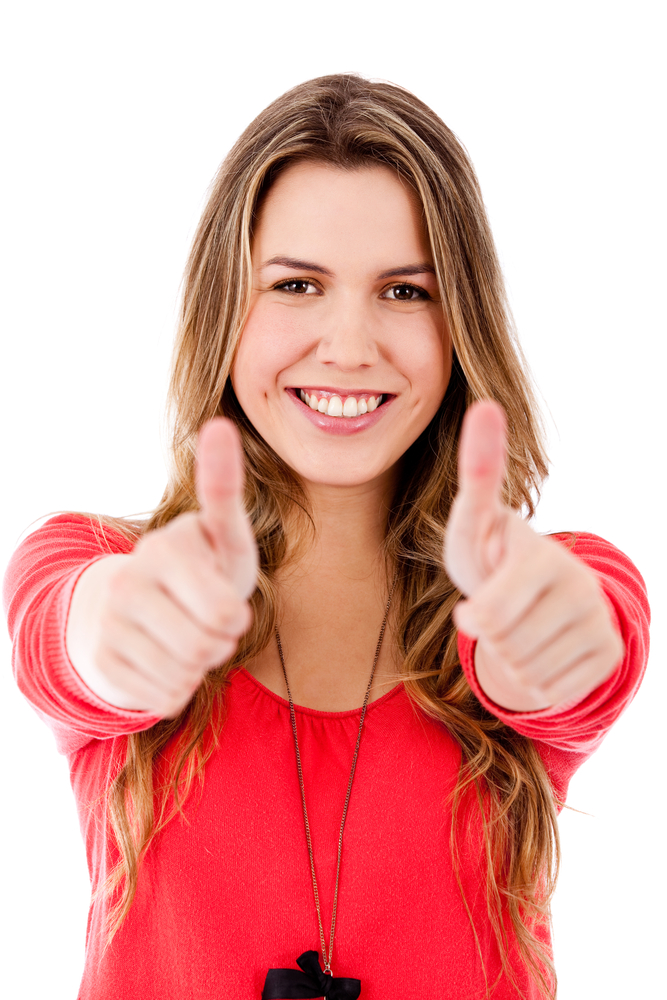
{"type": "Point", "coordinates": [351, 123]}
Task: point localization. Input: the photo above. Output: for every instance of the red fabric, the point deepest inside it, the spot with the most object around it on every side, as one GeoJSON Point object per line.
{"type": "Point", "coordinates": [229, 894]}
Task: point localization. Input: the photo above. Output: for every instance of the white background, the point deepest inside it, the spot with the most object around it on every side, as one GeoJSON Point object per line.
{"type": "Point", "coordinates": [115, 119]}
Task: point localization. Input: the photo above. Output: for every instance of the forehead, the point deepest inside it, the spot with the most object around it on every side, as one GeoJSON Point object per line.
{"type": "Point", "coordinates": [317, 206]}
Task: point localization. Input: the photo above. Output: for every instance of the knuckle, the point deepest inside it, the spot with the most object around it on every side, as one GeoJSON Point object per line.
{"type": "Point", "coordinates": [121, 587]}
{"type": "Point", "coordinates": [215, 615]}
{"type": "Point", "coordinates": [584, 590]}
{"type": "Point", "coordinates": [489, 620]}
{"type": "Point", "coordinates": [182, 535]}
{"type": "Point", "coordinates": [184, 522]}
{"type": "Point", "coordinates": [235, 618]}
{"type": "Point", "coordinates": [544, 561]}
{"type": "Point", "coordinates": [202, 653]}
{"type": "Point", "coordinates": [502, 648]}
{"type": "Point", "coordinates": [246, 616]}
{"type": "Point", "coordinates": [160, 545]}
{"type": "Point", "coordinates": [180, 529]}
{"type": "Point", "coordinates": [170, 708]}
{"type": "Point", "coordinates": [227, 650]}
{"type": "Point", "coordinates": [174, 701]}
{"type": "Point", "coordinates": [150, 543]}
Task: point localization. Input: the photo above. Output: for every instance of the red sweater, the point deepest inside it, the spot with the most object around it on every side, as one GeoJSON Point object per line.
{"type": "Point", "coordinates": [228, 895]}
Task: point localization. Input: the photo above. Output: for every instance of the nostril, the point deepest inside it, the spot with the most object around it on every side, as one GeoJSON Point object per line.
{"type": "Point", "coordinates": [348, 352]}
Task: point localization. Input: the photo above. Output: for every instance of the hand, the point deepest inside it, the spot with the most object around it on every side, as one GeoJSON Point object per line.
{"type": "Point", "coordinates": [545, 633]}
{"type": "Point", "coordinates": [145, 628]}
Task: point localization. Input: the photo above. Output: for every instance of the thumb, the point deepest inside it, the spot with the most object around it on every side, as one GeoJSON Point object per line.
{"type": "Point", "coordinates": [482, 460]}
{"type": "Point", "coordinates": [219, 480]}
{"type": "Point", "coordinates": [475, 536]}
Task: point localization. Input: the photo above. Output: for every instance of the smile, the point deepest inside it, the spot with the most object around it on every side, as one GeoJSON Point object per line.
{"type": "Point", "coordinates": [339, 412]}
{"type": "Point", "coordinates": [343, 405]}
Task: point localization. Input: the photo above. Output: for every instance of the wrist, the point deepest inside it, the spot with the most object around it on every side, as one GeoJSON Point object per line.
{"type": "Point", "coordinates": [82, 630]}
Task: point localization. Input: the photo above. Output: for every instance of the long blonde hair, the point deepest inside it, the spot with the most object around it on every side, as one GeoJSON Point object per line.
{"type": "Point", "coordinates": [350, 122]}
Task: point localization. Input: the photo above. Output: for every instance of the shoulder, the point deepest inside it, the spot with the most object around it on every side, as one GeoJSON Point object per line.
{"type": "Point", "coordinates": [585, 543]}
{"type": "Point", "coordinates": [87, 531]}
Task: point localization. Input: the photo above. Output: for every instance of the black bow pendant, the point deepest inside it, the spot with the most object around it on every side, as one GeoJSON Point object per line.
{"type": "Point", "coordinates": [288, 984]}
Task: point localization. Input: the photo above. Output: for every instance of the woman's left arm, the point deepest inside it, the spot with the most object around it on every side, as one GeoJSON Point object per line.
{"type": "Point", "coordinates": [545, 631]}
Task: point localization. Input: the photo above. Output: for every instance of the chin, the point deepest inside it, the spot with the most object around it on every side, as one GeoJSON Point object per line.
{"type": "Point", "coordinates": [345, 478]}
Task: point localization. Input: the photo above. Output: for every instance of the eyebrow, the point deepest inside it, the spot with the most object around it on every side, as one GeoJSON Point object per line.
{"type": "Point", "coordinates": [400, 272]}
{"type": "Point", "coordinates": [306, 265]}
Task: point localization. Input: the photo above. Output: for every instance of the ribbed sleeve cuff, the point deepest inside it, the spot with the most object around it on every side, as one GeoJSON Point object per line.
{"type": "Point", "coordinates": [580, 724]}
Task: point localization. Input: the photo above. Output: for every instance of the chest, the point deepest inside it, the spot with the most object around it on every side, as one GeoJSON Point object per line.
{"type": "Point", "coordinates": [230, 891]}
{"type": "Point", "coordinates": [330, 644]}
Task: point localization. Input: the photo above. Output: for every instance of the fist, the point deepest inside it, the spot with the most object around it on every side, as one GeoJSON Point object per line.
{"type": "Point", "coordinates": [544, 630]}
{"type": "Point", "coordinates": [145, 628]}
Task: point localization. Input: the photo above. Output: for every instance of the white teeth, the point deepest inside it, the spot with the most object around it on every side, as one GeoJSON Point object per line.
{"type": "Point", "coordinates": [334, 406]}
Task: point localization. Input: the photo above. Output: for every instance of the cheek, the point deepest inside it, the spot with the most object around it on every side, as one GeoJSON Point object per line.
{"type": "Point", "coordinates": [427, 363]}
{"type": "Point", "coordinates": [441, 374]}
{"type": "Point", "coordinates": [269, 344]}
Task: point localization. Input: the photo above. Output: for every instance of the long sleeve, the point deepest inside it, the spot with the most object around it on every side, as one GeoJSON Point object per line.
{"type": "Point", "coordinates": [567, 734]}
{"type": "Point", "coordinates": [37, 593]}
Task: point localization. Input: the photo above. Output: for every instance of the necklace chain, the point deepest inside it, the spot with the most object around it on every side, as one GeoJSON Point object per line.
{"type": "Point", "coordinates": [327, 961]}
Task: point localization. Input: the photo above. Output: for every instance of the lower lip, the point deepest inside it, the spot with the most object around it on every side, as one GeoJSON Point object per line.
{"type": "Point", "coordinates": [340, 425]}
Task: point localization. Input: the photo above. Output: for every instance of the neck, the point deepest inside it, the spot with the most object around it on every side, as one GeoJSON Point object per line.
{"type": "Point", "coordinates": [348, 533]}
{"type": "Point", "coordinates": [332, 593]}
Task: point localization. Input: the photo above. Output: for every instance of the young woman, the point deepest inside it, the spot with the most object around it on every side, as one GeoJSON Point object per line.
{"type": "Point", "coordinates": [322, 709]}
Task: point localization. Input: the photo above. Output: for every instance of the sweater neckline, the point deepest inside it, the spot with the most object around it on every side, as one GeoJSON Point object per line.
{"type": "Point", "coordinates": [314, 711]}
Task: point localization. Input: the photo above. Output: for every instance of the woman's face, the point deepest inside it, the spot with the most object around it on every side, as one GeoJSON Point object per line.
{"type": "Point", "coordinates": [345, 356]}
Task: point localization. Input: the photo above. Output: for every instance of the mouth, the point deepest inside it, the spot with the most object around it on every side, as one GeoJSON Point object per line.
{"type": "Point", "coordinates": [341, 403]}
{"type": "Point", "coordinates": [339, 411]}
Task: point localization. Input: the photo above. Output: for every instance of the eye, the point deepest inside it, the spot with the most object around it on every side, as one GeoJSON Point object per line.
{"type": "Point", "coordinates": [406, 293]}
{"type": "Point", "coordinates": [297, 286]}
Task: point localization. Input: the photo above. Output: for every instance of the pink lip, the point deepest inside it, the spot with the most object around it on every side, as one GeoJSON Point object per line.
{"type": "Point", "coordinates": [343, 393]}
{"type": "Point", "coordinates": [340, 425]}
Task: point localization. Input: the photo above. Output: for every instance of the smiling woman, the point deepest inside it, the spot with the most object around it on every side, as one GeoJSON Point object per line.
{"type": "Point", "coordinates": [337, 628]}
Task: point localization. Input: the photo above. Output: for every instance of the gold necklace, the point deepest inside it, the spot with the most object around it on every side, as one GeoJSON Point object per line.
{"type": "Point", "coordinates": [313, 981]}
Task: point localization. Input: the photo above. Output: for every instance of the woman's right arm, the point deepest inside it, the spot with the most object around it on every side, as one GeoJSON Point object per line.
{"type": "Point", "coordinates": [143, 627]}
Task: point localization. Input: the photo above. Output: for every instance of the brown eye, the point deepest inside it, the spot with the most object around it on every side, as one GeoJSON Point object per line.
{"type": "Point", "coordinates": [297, 287]}
{"type": "Point", "coordinates": [406, 293]}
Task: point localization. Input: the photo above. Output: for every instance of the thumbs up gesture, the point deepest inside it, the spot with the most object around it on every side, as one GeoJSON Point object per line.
{"type": "Point", "coordinates": [544, 630]}
{"type": "Point", "coordinates": [145, 628]}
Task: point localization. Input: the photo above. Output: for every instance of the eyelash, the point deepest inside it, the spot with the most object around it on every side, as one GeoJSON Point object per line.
{"type": "Point", "coordinates": [423, 294]}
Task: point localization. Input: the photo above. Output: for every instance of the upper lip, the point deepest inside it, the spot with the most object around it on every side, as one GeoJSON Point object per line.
{"type": "Point", "coordinates": [343, 392]}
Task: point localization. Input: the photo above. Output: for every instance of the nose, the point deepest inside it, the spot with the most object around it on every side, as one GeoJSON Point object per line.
{"type": "Point", "coordinates": [348, 341]}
